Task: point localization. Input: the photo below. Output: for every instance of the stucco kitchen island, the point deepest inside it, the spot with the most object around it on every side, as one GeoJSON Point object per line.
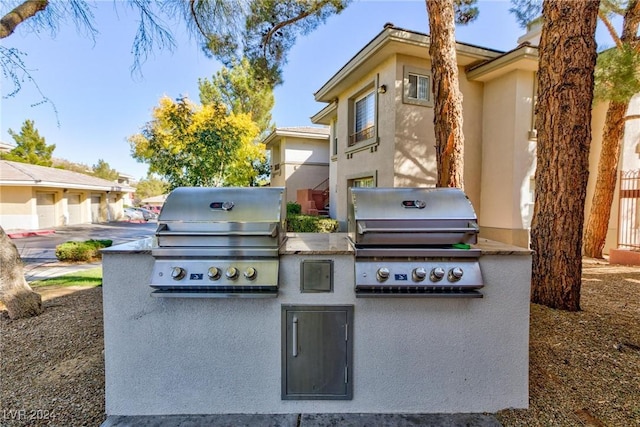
{"type": "Point", "coordinates": [227, 355]}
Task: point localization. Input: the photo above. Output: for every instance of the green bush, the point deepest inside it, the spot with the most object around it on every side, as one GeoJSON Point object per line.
{"type": "Point", "coordinates": [293, 209]}
{"type": "Point", "coordinates": [311, 224]}
{"type": "Point", "coordinates": [81, 251]}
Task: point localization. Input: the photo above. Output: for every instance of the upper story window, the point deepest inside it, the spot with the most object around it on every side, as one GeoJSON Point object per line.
{"type": "Point", "coordinates": [533, 132]}
{"type": "Point", "coordinates": [364, 111]}
{"type": "Point", "coordinates": [417, 86]}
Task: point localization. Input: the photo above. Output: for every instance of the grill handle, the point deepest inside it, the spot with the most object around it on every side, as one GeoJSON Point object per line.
{"type": "Point", "coordinates": [294, 338]}
{"type": "Point", "coordinates": [164, 231]}
{"type": "Point", "coordinates": [363, 229]}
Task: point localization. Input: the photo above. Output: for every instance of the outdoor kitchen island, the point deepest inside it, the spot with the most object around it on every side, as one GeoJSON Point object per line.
{"type": "Point", "coordinates": [241, 356]}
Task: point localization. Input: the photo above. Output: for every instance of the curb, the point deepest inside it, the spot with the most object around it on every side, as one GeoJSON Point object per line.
{"type": "Point", "coordinates": [29, 233]}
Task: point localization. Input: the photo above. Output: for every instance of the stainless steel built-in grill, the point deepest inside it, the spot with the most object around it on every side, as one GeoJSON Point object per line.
{"type": "Point", "coordinates": [412, 242]}
{"type": "Point", "coordinates": [218, 243]}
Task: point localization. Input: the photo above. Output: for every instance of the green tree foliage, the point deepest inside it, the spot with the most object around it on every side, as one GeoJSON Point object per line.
{"type": "Point", "coordinates": [526, 12]}
{"type": "Point", "coordinates": [262, 30]}
{"type": "Point", "coordinates": [192, 145]}
{"type": "Point", "coordinates": [242, 92]}
{"type": "Point", "coordinates": [104, 171]}
{"type": "Point", "coordinates": [617, 74]}
{"type": "Point", "coordinates": [151, 186]}
{"type": "Point", "coordinates": [271, 28]}
{"type": "Point", "coordinates": [465, 11]}
{"type": "Point", "coordinates": [71, 166]}
{"type": "Point", "coordinates": [30, 146]}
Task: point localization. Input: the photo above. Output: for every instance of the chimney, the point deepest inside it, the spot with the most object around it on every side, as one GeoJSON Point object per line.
{"type": "Point", "coordinates": [532, 36]}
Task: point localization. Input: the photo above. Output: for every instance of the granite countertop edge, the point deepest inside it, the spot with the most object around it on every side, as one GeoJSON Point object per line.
{"type": "Point", "coordinates": [316, 244]}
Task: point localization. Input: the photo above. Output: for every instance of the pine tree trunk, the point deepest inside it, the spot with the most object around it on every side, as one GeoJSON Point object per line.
{"type": "Point", "coordinates": [600, 212]}
{"type": "Point", "coordinates": [565, 81]}
{"type": "Point", "coordinates": [15, 293]}
{"type": "Point", "coordinates": [447, 99]}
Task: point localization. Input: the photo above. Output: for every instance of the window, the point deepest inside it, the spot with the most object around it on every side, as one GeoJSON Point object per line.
{"type": "Point", "coordinates": [364, 118]}
{"type": "Point", "coordinates": [363, 182]}
{"type": "Point", "coordinates": [533, 133]}
{"type": "Point", "coordinates": [417, 86]}
{"type": "Point", "coordinates": [333, 133]}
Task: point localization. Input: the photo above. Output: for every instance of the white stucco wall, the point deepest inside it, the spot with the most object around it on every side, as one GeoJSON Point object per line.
{"type": "Point", "coordinates": [209, 356]}
{"type": "Point", "coordinates": [508, 158]}
{"type": "Point", "coordinates": [631, 149]}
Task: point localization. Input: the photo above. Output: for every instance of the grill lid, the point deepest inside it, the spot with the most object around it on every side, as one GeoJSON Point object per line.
{"type": "Point", "coordinates": [218, 220]}
{"type": "Point", "coordinates": [411, 216]}
{"type": "Point", "coordinates": [223, 205]}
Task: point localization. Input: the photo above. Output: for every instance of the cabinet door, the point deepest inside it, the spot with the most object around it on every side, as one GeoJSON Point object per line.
{"type": "Point", "coordinates": [317, 352]}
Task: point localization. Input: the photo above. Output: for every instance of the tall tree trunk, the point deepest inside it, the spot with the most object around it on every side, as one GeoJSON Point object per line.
{"type": "Point", "coordinates": [15, 293]}
{"type": "Point", "coordinates": [447, 99]}
{"type": "Point", "coordinates": [565, 81]}
{"type": "Point", "coordinates": [598, 221]}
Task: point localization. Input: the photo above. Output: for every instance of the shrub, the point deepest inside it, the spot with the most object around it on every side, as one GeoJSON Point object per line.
{"type": "Point", "coordinates": [311, 224]}
{"type": "Point", "coordinates": [81, 251]}
{"type": "Point", "coordinates": [293, 209]}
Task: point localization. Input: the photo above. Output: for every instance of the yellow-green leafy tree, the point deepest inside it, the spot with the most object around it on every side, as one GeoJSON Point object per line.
{"type": "Point", "coordinates": [198, 145]}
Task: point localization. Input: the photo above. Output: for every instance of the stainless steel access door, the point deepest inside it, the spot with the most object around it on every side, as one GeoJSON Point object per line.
{"type": "Point", "coordinates": [317, 352]}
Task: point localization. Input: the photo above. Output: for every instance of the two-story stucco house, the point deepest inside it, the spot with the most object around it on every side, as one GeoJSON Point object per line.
{"type": "Point", "coordinates": [379, 107]}
{"type": "Point", "coordinates": [299, 158]}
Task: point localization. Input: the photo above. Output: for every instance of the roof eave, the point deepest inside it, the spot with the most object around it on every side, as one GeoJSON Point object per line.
{"type": "Point", "coordinates": [394, 41]}
{"type": "Point", "coordinates": [524, 57]}
{"type": "Point", "coordinates": [324, 116]}
{"type": "Point", "coordinates": [277, 135]}
{"type": "Point", "coordinates": [70, 186]}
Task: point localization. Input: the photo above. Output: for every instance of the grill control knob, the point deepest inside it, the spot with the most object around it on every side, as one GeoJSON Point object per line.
{"type": "Point", "coordinates": [250, 273]}
{"type": "Point", "coordinates": [231, 273]}
{"type": "Point", "coordinates": [455, 274]}
{"type": "Point", "coordinates": [178, 273]}
{"type": "Point", "coordinates": [382, 274]}
{"type": "Point", "coordinates": [419, 274]}
{"type": "Point", "coordinates": [437, 274]}
{"type": "Point", "coordinates": [214, 273]}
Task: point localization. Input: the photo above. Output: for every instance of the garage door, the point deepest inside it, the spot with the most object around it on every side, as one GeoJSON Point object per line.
{"type": "Point", "coordinates": [95, 208]}
{"type": "Point", "coordinates": [46, 209]}
{"type": "Point", "coordinates": [75, 209]}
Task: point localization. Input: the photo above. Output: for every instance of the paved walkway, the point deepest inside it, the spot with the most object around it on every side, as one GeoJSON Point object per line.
{"type": "Point", "coordinates": [40, 269]}
{"type": "Point", "coordinates": [306, 420]}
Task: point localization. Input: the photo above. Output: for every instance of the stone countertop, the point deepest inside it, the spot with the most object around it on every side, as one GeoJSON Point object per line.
{"type": "Point", "coordinates": [491, 247]}
{"type": "Point", "coordinates": [142, 246]}
{"type": "Point", "coordinates": [318, 244]}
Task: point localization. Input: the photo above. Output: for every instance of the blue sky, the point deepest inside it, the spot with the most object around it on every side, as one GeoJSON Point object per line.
{"type": "Point", "coordinates": [100, 102]}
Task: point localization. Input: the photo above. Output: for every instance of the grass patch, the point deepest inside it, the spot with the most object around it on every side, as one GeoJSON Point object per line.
{"type": "Point", "coordinates": [91, 277]}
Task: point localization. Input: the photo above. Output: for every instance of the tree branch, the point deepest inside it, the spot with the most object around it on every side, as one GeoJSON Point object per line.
{"type": "Point", "coordinates": [613, 7]}
{"type": "Point", "coordinates": [267, 38]}
{"type": "Point", "coordinates": [21, 13]}
{"type": "Point", "coordinates": [194, 15]}
{"type": "Point", "coordinates": [632, 117]}
{"type": "Point", "coordinates": [612, 31]}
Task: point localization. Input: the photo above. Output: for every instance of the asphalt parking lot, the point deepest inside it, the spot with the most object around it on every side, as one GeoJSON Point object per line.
{"type": "Point", "coordinates": [41, 248]}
